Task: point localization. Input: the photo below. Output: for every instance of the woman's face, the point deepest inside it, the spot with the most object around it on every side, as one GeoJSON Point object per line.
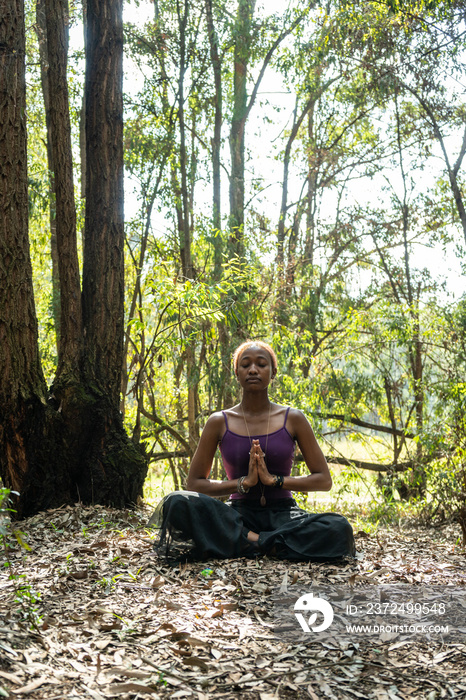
{"type": "Point", "coordinates": [255, 369]}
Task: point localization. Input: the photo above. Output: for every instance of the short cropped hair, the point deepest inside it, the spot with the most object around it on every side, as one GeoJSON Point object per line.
{"type": "Point", "coordinates": [251, 344]}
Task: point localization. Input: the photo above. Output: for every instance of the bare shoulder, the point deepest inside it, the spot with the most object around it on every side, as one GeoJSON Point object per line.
{"type": "Point", "coordinates": [297, 422]}
{"type": "Point", "coordinates": [215, 424]}
{"type": "Point", "coordinates": [231, 411]}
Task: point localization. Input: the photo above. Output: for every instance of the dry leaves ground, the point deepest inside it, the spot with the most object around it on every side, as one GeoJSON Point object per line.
{"type": "Point", "coordinates": [113, 622]}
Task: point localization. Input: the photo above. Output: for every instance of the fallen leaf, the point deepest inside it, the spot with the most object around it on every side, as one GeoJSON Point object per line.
{"type": "Point", "coordinates": [31, 687]}
{"type": "Point", "coordinates": [120, 688]}
{"type": "Point", "coordinates": [11, 677]}
{"type": "Point", "coordinates": [195, 661]}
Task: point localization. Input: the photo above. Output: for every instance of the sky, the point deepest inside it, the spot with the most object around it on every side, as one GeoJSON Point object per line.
{"type": "Point", "coordinates": [445, 264]}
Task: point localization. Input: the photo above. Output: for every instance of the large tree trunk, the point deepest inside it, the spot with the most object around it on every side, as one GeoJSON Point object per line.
{"type": "Point", "coordinates": [21, 380]}
{"type": "Point", "coordinates": [26, 460]}
{"type": "Point", "coordinates": [112, 468]}
{"type": "Point", "coordinates": [103, 281]}
{"type": "Point", "coordinates": [80, 450]}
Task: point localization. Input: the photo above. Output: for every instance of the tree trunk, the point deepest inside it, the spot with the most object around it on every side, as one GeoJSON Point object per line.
{"type": "Point", "coordinates": [80, 450]}
{"type": "Point", "coordinates": [111, 468]}
{"type": "Point", "coordinates": [216, 140]}
{"type": "Point", "coordinates": [56, 13]}
{"type": "Point", "coordinates": [451, 170]}
{"type": "Point", "coordinates": [297, 122]}
{"type": "Point", "coordinates": [242, 34]}
{"type": "Point", "coordinates": [103, 281]}
{"type": "Point", "coordinates": [185, 232]}
{"type": "Point", "coordinates": [309, 243]}
{"type": "Point", "coordinates": [41, 30]}
{"type": "Point", "coordinates": [26, 460]}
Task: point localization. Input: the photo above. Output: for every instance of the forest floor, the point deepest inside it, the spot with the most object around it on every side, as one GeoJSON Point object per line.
{"type": "Point", "coordinates": [90, 612]}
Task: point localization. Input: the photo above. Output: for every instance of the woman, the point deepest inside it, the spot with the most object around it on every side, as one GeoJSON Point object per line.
{"type": "Point", "coordinates": [257, 441]}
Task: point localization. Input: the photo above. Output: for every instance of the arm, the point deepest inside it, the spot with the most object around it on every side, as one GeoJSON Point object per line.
{"type": "Point", "coordinates": [201, 463]}
{"type": "Point", "coordinates": [319, 478]}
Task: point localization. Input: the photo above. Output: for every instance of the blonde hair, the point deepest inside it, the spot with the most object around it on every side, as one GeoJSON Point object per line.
{"type": "Point", "coordinates": [251, 344]}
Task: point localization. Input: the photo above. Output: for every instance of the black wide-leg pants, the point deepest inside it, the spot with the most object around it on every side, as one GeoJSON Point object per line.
{"type": "Point", "coordinates": [194, 526]}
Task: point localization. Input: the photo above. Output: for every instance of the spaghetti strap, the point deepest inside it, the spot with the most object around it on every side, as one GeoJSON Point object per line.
{"type": "Point", "coordinates": [286, 416]}
{"type": "Point", "coordinates": [226, 420]}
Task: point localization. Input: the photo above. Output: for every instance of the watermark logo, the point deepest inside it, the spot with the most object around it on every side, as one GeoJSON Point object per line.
{"type": "Point", "coordinates": [381, 611]}
{"type": "Point", "coordinates": [313, 605]}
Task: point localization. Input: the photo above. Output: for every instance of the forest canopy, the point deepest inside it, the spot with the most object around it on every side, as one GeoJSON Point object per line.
{"type": "Point", "coordinates": [292, 172]}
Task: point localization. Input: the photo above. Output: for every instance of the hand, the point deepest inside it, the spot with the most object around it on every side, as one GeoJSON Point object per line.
{"type": "Point", "coordinates": [265, 477]}
{"type": "Point", "coordinates": [253, 475]}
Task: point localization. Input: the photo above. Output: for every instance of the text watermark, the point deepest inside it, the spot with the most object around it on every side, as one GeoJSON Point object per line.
{"type": "Point", "coordinates": [365, 611]}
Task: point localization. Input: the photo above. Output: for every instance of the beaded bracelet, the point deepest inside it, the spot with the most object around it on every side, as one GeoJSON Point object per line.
{"type": "Point", "coordinates": [240, 488]}
{"type": "Point", "coordinates": [278, 483]}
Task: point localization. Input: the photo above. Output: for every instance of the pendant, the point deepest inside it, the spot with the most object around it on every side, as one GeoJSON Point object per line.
{"type": "Point", "coordinates": [263, 501]}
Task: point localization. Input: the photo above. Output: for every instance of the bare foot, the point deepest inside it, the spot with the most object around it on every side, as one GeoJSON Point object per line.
{"type": "Point", "coordinates": [253, 536]}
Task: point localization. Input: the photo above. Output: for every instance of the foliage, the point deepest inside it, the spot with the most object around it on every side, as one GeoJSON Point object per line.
{"type": "Point", "coordinates": [9, 535]}
{"type": "Point", "coordinates": [25, 596]}
{"type": "Point", "coordinates": [351, 118]}
{"type": "Point", "coordinates": [448, 489]}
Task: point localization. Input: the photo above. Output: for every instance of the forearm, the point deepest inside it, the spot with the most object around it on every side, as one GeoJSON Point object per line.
{"type": "Point", "coordinates": [216, 489]}
{"type": "Point", "coordinates": [310, 482]}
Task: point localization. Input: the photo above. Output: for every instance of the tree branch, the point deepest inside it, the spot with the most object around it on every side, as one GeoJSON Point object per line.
{"type": "Point", "coordinates": [364, 424]}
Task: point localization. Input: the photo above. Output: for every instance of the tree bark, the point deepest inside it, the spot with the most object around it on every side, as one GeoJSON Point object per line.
{"type": "Point", "coordinates": [75, 446]}
{"type": "Point", "coordinates": [111, 469]}
{"type": "Point", "coordinates": [56, 13]}
{"type": "Point", "coordinates": [238, 122]}
{"type": "Point", "coordinates": [216, 139]}
{"type": "Point", "coordinates": [26, 460]}
{"type": "Point", "coordinates": [184, 232]}
{"type": "Point", "coordinates": [103, 280]}
{"type": "Point", "coordinates": [21, 378]}
{"type": "Point", "coordinates": [41, 30]}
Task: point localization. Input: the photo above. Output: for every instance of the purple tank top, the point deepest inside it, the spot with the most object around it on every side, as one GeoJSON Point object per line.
{"type": "Point", "coordinates": [279, 449]}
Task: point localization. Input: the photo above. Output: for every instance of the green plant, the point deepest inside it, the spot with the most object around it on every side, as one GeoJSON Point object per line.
{"type": "Point", "coordinates": [161, 679]}
{"type": "Point", "coordinates": [9, 535]}
{"type": "Point", "coordinates": [447, 487]}
{"type": "Point", "coordinates": [108, 584]}
{"type": "Point", "coordinates": [28, 600]}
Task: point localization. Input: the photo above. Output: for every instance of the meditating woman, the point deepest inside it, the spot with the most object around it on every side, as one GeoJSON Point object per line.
{"type": "Point", "coordinates": [257, 442]}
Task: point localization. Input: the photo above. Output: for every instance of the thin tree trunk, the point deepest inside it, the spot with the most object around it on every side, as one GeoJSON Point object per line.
{"type": "Point", "coordinates": [56, 12]}
{"type": "Point", "coordinates": [391, 413]}
{"type": "Point", "coordinates": [185, 233]}
{"type": "Point", "coordinates": [311, 194]}
{"type": "Point", "coordinates": [415, 346]}
{"type": "Point", "coordinates": [242, 35]}
{"type": "Point", "coordinates": [242, 108]}
{"type": "Point", "coordinates": [451, 170]}
{"type": "Point", "coordinates": [41, 30]}
{"type": "Point", "coordinates": [216, 139]}
{"type": "Point", "coordinates": [297, 122]}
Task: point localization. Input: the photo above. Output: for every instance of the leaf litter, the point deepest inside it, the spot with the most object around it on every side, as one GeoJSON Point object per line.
{"type": "Point", "coordinates": [91, 612]}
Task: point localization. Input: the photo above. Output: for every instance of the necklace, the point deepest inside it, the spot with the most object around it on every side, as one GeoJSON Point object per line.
{"type": "Point", "coordinates": [263, 500]}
